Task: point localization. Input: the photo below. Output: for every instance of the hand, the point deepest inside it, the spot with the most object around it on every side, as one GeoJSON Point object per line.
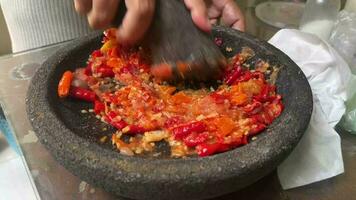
{"type": "Point", "coordinates": [207, 12]}
{"type": "Point", "coordinates": [100, 14]}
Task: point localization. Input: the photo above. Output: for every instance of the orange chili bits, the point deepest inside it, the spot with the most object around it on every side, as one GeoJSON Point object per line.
{"type": "Point", "coordinates": [64, 84]}
{"type": "Point", "coordinates": [205, 121]}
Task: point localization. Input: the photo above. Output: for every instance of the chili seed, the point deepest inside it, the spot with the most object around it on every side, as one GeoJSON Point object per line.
{"type": "Point", "coordinates": [228, 49]}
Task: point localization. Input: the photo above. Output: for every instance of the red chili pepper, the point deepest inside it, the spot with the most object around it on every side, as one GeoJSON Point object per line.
{"type": "Point", "coordinates": [246, 76]}
{"type": "Point", "coordinates": [82, 94]}
{"type": "Point", "coordinates": [243, 140]}
{"type": "Point", "coordinates": [267, 119]}
{"type": "Point", "coordinates": [182, 131]}
{"type": "Point", "coordinates": [65, 84]}
{"type": "Point", "coordinates": [272, 88]}
{"type": "Point", "coordinates": [273, 110]}
{"type": "Point", "coordinates": [98, 107]}
{"type": "Point", "coordinates": [234, 75]}
{"type": "Point", "coordinates": [209, 149]}
{"type": "Point", "coordinates": [263, 96]}
{"type": "Point", "coordinates": [119, 124]}
{"type": "Point", "coordinates": [257, 118]}
{"type": "Point", "coordinates": [277, 99]}
{"type": "Point", "coordinates": [88, 71]}
{"type": "Point", "coordinates": [173, 121]}
{"type": "Point", "coordinates": [218, 98]}
{"type": "Point", "coordinates": [97, 53]}
{"type": "Point", "coordinates": [263, 118]}
{"type": "Point", "coordinates": [195, 139]}
{"type": "Point", "coordinates": [256, 128]}
{"type": "Point", "coordinates": [111, 116]}
{"type": "Point", "coordinates": [105, 71]}
{"type": "Point", "coordinates": [135, 129]}
{"type": "Point", "coordinates": [253, 107]}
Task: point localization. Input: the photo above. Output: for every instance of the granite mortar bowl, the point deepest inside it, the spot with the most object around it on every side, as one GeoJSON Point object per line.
{"type": "Point", "coordinates": [72, 137]}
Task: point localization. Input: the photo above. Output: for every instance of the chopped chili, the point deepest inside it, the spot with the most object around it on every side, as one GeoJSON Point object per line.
{"type": "Point", "coordinates": [204, 121]}
{"type": "Point", "coordinates": [64, 84]}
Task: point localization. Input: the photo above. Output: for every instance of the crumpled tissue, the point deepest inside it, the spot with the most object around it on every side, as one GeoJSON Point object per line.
{"type": "Point", "coordinates": [318, 155]}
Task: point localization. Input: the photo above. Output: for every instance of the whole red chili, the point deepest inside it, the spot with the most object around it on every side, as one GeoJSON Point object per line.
{"type": "Point", "coordinates": [246, 76]}
{"type": "Point", "coordinates": [82, 94]}
{"type": "Point", "coordinates": [195, 139]}
{"type": "Point", "coordinates": [233, 75]}
{"type": "Point", "coordinates": [209, 149]}
{"type": "Point", "coordinates": [181, 131]}
{"type": "Point", "coordinates": [65, 84]}
{"type": "Point", "coordinates": [111, 119]}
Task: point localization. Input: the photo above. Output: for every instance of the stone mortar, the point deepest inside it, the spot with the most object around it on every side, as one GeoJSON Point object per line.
{"type": "Point", "coordinates": [70, 137]}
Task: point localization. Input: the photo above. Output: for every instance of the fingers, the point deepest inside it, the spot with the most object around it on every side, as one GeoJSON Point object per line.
{"type": "Point", "coordinates": [83, 6]}
{"type": "Point", "coordinates": [136, 21]}
{"type": "Point", "coordinates": [232, 16]}
{"type": "Point", "coordinates": [102, 13]}
{"type": "Point", "coordinates": [213, 13]}
{"type": "Point", "coordinates": [229, 12]}
{"type": "Point", "coordinates": [199, 14]}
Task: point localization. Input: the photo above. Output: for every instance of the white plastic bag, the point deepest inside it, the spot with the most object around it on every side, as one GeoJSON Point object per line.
{"type": "Point", "coordinates": [318, 155]}
{"type": "Point", "coordinates": [343, 37]}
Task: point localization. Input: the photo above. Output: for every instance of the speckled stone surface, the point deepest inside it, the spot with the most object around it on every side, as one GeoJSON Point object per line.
{"type": "Point", "coordinates": [71, 137]}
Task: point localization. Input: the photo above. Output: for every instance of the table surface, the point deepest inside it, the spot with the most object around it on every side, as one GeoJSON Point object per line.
{"type": "Point", "coordinates": [54, 182]}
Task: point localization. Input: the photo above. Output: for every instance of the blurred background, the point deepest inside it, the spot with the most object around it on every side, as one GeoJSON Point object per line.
{"type": "Point", "coordinates": [5, 45]}
{"type": "Point", "coordinates": [263, 18]}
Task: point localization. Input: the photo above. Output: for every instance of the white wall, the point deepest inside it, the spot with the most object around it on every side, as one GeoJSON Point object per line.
{"type": "Point", "coordinates": [5, 44]}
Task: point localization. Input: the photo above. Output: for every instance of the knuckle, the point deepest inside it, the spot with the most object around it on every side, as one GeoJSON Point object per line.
{"type": "Point", "coordinates": [98, 21]}
{"type": "Point", "coordinates": [144, 8]}
{"type": "Point", "coordinates": [79, 8]}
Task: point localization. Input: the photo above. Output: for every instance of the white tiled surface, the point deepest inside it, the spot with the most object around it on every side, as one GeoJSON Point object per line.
{"type": "Point", "coordinates": [15, 183]}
